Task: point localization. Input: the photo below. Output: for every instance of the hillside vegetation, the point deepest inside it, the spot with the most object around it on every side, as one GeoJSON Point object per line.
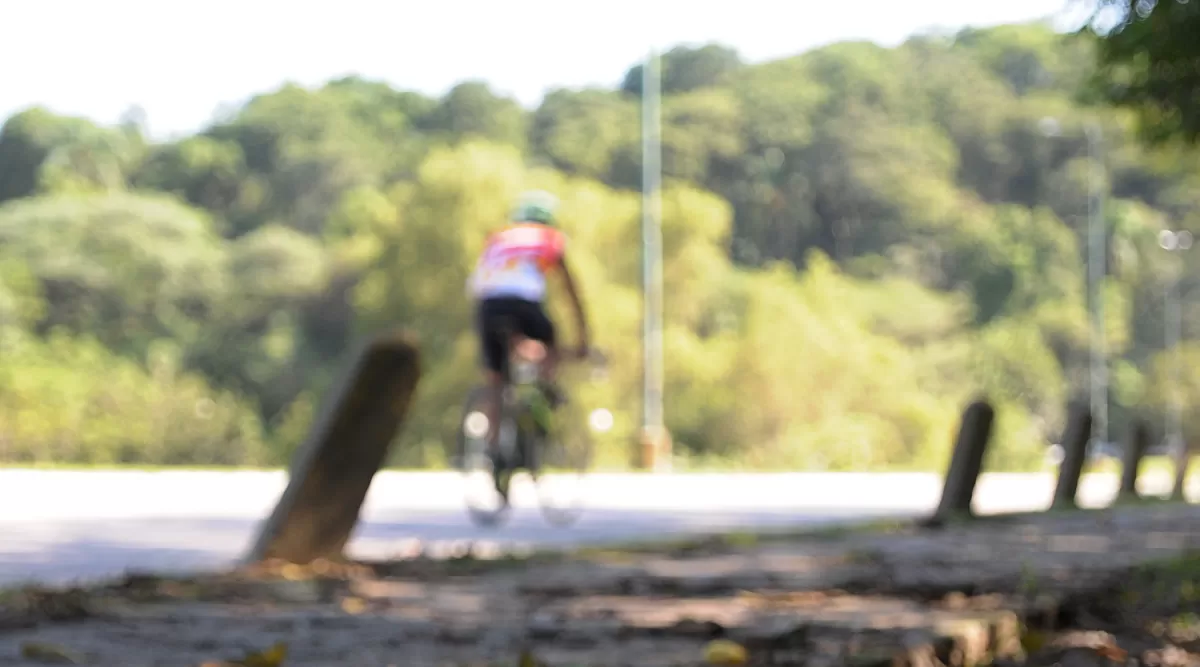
{"type": "Point", "coordinates": [857, 241]}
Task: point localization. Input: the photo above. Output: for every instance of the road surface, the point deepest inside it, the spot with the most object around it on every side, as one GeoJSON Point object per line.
{"type": "Point", "coordinates": [58, 526]}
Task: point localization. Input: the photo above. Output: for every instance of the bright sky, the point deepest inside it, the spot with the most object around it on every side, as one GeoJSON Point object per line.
{"type": "Point", "coordinates": [181, 59]}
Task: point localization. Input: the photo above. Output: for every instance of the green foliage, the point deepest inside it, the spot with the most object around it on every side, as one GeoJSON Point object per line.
{"type": "Point", "coordinates": [1149, 61]}
{"type": "Point", "coordinates": [857, 241]}
{"type": "Point", "coordinates": [71, 399]}
{"type": "Point", "coordinates": [688, 68]}
{"type": "Point", "coordinates": [126, 269]}
{"type": "Point", "coordinates": [43, 152]}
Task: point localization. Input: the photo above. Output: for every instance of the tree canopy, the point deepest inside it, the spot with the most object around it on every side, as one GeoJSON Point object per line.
{"type": "Point", "coordinates": [1149, 62]}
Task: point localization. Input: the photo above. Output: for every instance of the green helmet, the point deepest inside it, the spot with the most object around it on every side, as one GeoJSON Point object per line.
{"type": "Point", "coordinates": [535, 206]}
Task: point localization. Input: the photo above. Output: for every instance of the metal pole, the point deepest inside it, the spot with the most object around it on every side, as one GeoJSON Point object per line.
{"type": "Point", "coordinates": [653, 431]}
{"type": "Point", "coordinates": [1097, 257]}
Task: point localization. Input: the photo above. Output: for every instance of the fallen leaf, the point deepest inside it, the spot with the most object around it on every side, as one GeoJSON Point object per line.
{"type": "Point", "coordinates": [1113, 652]}
{"type": "Point", "coordinates": [272, 657]}
{"type": "Point", "coordinates": [724, 652]}
{"type": "Point", "coordinates": [49, 653]}
{"type": "Point", "coordinates": [353, 605]}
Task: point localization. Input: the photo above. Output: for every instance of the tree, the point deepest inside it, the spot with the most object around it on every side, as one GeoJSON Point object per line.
{"type": "Point", "coordinates": [687, 68]}
{"type": "Point", "coordinates": [472, 110]}
{"type": "Point", "coordinates": [1149, 62]}
{"type": "Point", "coordinates": [125, 269]}
{"type": "Point", "coordinates": [584, 132]}
{"type": "Point", "coordinates": [41, 151]}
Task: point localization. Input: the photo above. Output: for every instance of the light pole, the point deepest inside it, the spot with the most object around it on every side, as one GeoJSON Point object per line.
{"type": "Point", "coordinates": [1097, 245]}
{"type": "Point", "coordinates": [655, 442]}
{"type": "Point", "coordinates": [1174, 242]}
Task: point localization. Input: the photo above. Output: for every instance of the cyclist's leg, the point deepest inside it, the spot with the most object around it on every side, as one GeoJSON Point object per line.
{"type": "Point", "coordinates": [536, 324]}
{"type": "Point", "coordinates": [494, 350]}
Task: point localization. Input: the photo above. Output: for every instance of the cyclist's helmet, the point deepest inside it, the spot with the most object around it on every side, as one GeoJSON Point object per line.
{"type": "Point", "coordinates": [535, 206]}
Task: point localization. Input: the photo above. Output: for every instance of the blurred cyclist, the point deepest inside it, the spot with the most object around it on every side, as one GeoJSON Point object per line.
{"type": "Point", "coordinates": [509, 286]}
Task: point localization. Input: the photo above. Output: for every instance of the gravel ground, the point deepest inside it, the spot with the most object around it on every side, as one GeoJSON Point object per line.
{"type": "Point", "coordinates": [1069, 589]}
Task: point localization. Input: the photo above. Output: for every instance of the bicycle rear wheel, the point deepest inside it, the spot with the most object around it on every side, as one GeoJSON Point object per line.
{"type": "Point", "coordinates": [561, 460]}
{"type": "Point", "coordinates": [485, 485]}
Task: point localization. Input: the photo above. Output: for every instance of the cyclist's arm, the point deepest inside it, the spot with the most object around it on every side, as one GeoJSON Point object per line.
{"type": "Point", "coordinates": [576, 302]}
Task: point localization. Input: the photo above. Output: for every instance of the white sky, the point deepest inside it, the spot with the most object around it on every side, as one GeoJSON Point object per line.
{"type": "Point", "coordinates": [180, 59]}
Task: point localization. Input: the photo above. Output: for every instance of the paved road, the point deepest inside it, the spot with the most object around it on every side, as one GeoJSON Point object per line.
{"type": "Point", "coordinates": [63, 525]}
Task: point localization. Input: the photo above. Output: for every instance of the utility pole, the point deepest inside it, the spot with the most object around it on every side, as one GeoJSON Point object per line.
{"type": "Point", "coordinates": [655, 441]}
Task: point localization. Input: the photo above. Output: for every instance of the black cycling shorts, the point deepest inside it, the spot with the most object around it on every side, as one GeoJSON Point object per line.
{"type": "Point", "coordinates": [496, 316]}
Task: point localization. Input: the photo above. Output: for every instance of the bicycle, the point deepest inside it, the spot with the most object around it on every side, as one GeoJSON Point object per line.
{"type": "Point", "coordinates": [550, 444]}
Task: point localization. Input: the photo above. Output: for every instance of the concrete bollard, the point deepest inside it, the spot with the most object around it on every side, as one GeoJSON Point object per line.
{"type": "Point", "coordinates": [332, 470]}
{"type": "Point", "coordinates": [966, 462]}
{"type": "Point", "coordinates": [1074, 443]}
{"type": "Point", "coordinates": [1181, 471]}
{"type": "Point", "coordinates": [1131, 461]}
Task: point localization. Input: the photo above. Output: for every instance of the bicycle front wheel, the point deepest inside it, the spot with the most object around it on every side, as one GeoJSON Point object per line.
{"type": "Point", "coordinates": [484, 482]}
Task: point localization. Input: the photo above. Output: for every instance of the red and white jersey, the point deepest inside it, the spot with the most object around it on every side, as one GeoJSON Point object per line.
{"type": "Point", "coordinates": [515, 262]}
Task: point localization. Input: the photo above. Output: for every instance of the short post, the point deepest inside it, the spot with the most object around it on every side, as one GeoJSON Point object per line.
{"type": "Point", "coordinates": [1131, 461]}
{"type": "Point", "coordinates": [1182, 460]}
{"type": "Point", "coordinates": [1074, 443]}
{"type": "Point", "coordinates": [332, 470]}
{"type": "Point", "coordinates": [966, 462]}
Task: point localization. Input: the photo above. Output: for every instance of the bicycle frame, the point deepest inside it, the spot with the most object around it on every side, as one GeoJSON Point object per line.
{"type": "Point", "coordinates": [523, 368]}
{"type": "Point", "coordinates": [525, 356]}
{"type": "Point", "coordinates": [527, 425]}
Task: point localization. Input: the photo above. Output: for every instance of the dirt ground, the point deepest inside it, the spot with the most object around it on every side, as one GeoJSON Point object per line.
{"type": "Point", "coordinates": [1118, 587]}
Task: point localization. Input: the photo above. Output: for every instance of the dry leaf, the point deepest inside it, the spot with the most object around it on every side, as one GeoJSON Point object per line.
{"type": "Point", "coordinates": [353, 605]}
{"type": "Point", "coordinates": [724, 652]}
{"type": "Point", "coordinates": [1112, 652]}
